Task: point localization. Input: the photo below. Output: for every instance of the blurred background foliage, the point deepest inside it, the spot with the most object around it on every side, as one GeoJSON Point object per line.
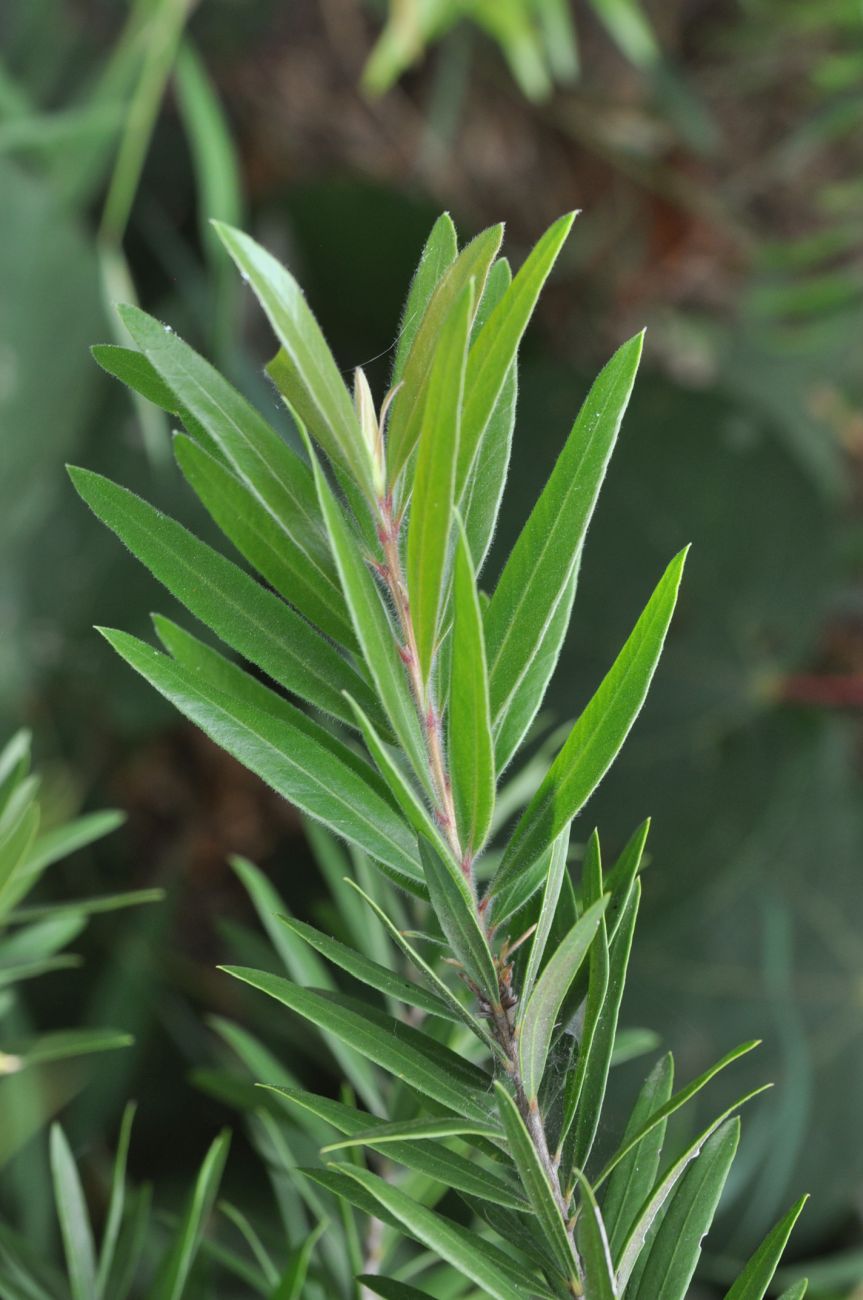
{"type": "Point", "coordinates": [714, 148]}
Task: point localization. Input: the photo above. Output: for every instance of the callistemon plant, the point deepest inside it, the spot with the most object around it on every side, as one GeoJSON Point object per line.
{"type": "Point", "coordinates": [392, 692]}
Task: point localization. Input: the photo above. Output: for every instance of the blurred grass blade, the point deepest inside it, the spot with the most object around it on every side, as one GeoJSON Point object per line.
{"type": "Point", "coordinates": [74, 1220]}
{"type": "Point", "coordinates": [471, 752]}
{"type": "Point", "coordinates": [175, 1271]}
{"type": "Point", "coordinates": [597, 736]}
{"type": "Point", "coordinates": [116, 1202]}
{"type": "Point", "coordinates": [431, 514]}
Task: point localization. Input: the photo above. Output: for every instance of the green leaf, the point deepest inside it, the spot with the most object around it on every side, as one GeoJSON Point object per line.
{"type": "Point", "coordinates": [300, 575]}
{"type": "Point", "coordinates": [288, 759]}
{"type": "Point", "coordinates": [439, 253]}
{"type": "Point", "coordinates": [553, 875]}
{"type": "Point", "coordinates": [390, 1289]}
{"type": "Point", "coordinates": [456, 910]}
{"type": "Point", "coordinates": [676, 1248]}
{"type": "Point", "coordinates": [410, 1055]}
{"type": "Point", "coordinates": [587, 1108]}
{"type": "Point", "coordinates": [174, 1273]}
{"type": "Point", "coordinates": [756, 1277]}
{"type": "Point", "coordinates": [538, 1014]}
{"type": "Point", "coordinates": [369, 972]}
{"type": "Point", "coordinates": [663, 1189]}
{"type": "Point", "coordinates": [593, 1241]}
{"type": "Point", "coordinates": [634, 1176]}
{"type": "Point", "coordinates": [488, 1267]}
{"type": "Point", "coordinates": [407, 798]}
{"type": "Point", "coordinates": [472, 263]}
{"type": "Point", "coordinates": [431, 978]}
{"type": "Point", "coordinates": [471, 751]}
{"type": "Point", "coordinates": [318, 393]}
{"type": "Point", "coordinates": [239, 610]}
{"type": "Point", "coordinates": [668, 1108]}
{"type": "Point", "coordinates": [494, 351]}
{"type": "Point", "coordinates": [137, 372]}
{"type": "Point", "coordinates": [536, 1183]}
{"type": "Point", "coordinates": [597, 736]}
{"type": "Point", "coordinates": [74, 1220]}
{"type": "Point", "coordinates": [797, 1291]}
{"type": "Point", "coordinates": [116, 1203]}
{"type": "Point", "coordinates": [373, 628]}
{"type": "Point", "coordinates": [63, 1044]}
{"type": "Point", "coordinates": [619, 879]}
{"type": "Point", "coordinates": [524, 627]}
{"type": "Point", "coordinates": [430, 521]}
{"type": "Point", "coordinates": [62, 841]}
{"type": "Point", "coordinates": [293, 1281]}
{"type": "Point", "coordinates": [208, 665]}
{"type": "Point", "coordinates": [416, 1145]}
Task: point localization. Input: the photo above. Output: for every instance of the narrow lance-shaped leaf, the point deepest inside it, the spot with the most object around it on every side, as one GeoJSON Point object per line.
{"type": "Point", "coordinates": [244, 614]}
{"type": "Point", "coordinates": [756, 1277]}
{"type": "Point", "coordinates": [320, 396]}
{"type": "Point", "coordinates": [424, 1064]}
{"type": "Point", "coordinates": [116, 1203]}
{"type": "Point", "coordinates": [455, 908]}
{"type": "Point", "coordinates": [439, 253]}
{"type": "Point", "coordinates": [537, 1016]}
{"type": "Point", "coordinates": [472, 263]}
{"type": "Point", "coordinates": [538, 1186]}
{"type": "Point", "coordinates": [596, 1251]}
{"type": "Point", "coordinates": [74, 1220]}
{"type": "Point", "coordinates": [373, 628]}
{"type": "Point", "coordinates": [497, 343]}
{"type": "Point", "coordinates": [174, 1274]}
{"type": "Point", "coordinates": [597, 736]}
{"type": "Point", "coordinates": [431, 512]}
{"type": "Point", "coordinates": [237, 435]}
{"type": "Point", "coordinates": [484, 1264]}
{"type": "Point", "coordinates": [538, 576]}
{"type": "Point", "coordinates": [551, 893]}
{"type": "Point", "coordinates": [471, 753]}
{"type": "Point", "coordinates": [676, 1248]}
{"type": "Point", "coordinates": [634, 1176]}
{"type": "Point", "coordinates": [289, 760]}
{"type": "Point", "coordinates": [311, 587]}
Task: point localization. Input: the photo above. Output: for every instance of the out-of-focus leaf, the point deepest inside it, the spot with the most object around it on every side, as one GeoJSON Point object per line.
{"type": "Point", "coordinates": [74, 1220]}
{"type": "Point", "coordinates": [597, 736]}
{"type": "Point", "coordinates": [116, 1202]}
{"type": "Point", "coordinates": [174, 1273]}
{"type": "Point", "coordinates": [431, 513]}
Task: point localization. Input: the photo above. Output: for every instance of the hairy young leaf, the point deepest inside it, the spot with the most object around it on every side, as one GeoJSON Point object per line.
{"type": "Point", "coordinates": [497, 343]}
{"type": "Point", "coordinates": [431, 513]}
{"type": "Point", "coordinates": [676, 1248]}
{"type": "Point", "coordinates": [471, 753]}
{"type": "Point", "coordinates": [597, 736]}
{"type": "Point", "coordinates": [756, 1277]}
{"type": "Point", "coordinates": [455, 908]}
{"type": "Point", "coordinates": [286, 758]}
{"type": "Point", "coordinates": [472, 263]}
{"type": "Point", "coordinates": [319, 395]}
{"type": "Point", "coordinates": [439, 253]}
{"type": "Point", "coordinates": [538, 1014]}
{"type": "Point", "coordinates": [540, 571]}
